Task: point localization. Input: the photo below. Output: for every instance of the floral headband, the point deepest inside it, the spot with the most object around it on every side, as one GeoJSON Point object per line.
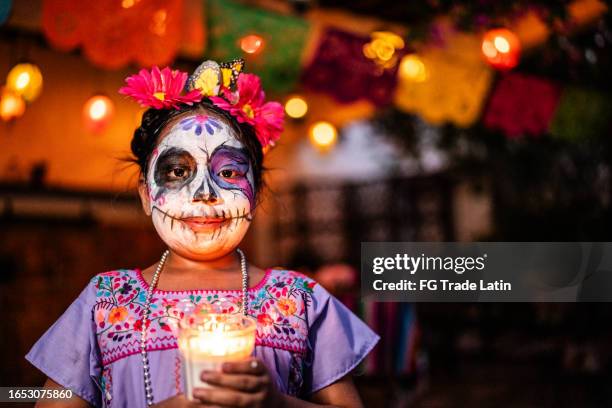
{"type": "Point", "coordinates": [223, 84]}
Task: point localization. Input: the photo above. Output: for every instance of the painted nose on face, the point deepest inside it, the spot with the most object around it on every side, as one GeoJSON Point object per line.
{"type": "Point", "coordinates": [206, 193]}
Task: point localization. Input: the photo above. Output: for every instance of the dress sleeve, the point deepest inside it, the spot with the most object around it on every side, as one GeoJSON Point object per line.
{"type": "Point", "coordinates": [338, 341]}
{"type": "Point", "coordinates": [68, 352]}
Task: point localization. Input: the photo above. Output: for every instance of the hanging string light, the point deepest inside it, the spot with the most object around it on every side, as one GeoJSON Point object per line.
{"type": "Point", "coordinates": [97, 113]}
{"type": "Point", "coordinates": [26, 80]}
{"type": "Point", "coordinates": [501, 48]}
{"type": "Point", "coordinates": [12, 105]}
{"type": "Point", "coordinates": [323, 135]}
{"type": "Point", "coordinates": [251, 44]}
{"type": "Point", "coordinates": [296, 107]}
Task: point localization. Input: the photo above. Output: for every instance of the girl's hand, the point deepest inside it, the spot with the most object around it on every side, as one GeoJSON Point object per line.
{"type": "Point", "coordinates": [240, 384]}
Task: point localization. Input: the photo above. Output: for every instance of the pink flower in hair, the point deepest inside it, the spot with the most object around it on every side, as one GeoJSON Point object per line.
{"type": "Point", "coordinates": [159, 89]}
{"type": "Point", "coordinates": [249, 106]}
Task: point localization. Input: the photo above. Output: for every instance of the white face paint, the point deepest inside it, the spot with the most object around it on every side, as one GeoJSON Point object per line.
{"type": "Point", "coordinates": [200, 184]}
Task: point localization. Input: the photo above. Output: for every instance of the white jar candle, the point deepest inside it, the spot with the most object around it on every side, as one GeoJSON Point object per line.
{"type": "Point", "coordinates": [209, 341]}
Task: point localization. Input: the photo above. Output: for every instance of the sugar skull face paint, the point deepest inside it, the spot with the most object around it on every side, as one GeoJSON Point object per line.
{"type": "Point", "coordinates": [201, 189]}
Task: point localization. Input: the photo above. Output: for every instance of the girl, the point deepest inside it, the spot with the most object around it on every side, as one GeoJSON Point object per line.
{"type": "Point", "coordinates": [200, 155]}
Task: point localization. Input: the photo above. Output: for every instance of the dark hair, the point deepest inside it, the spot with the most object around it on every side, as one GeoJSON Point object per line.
{"type": "Point", "coordinates": [146, 136]}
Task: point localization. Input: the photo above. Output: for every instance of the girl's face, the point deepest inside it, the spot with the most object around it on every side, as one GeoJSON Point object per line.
{"type": "Point", "coordinates": [200, 188]}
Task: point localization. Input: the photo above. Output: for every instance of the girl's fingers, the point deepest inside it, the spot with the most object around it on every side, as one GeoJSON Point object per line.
{"type": "Point", "coordinates": [239, 382]}
{"type": "Point", "coordinates": [252, 366]}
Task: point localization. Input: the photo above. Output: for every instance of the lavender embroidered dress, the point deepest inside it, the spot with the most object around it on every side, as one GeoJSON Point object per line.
{"type": "Point", "coordinates": [305, 336]}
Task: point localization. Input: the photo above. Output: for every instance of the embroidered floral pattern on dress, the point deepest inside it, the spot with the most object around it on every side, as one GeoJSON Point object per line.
{"type": "Point", "coordinates": [107, 383]}
{"type": "Point", "coordinates": [177, 374]}
{"type": "Point", "coordinates": [278, 303]}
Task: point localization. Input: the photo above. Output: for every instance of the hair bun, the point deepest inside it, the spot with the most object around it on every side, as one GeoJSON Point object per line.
{"type": "Point", "coordinates": [139, 145]}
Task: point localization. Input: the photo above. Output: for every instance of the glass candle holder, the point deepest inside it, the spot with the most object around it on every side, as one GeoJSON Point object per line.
{"type": "Point", "coordinates": [208, 341]}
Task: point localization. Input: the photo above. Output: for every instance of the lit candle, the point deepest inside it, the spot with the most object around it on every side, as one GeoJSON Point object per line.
{"type": "Point", "coordinates": [211, 340]}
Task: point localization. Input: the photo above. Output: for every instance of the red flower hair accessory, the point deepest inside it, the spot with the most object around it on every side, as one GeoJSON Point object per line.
{"type": "Point", "coordinates": [159, 89]}
{"type": "Point", "coordinates": [248, 105]}
{"type": "Point", "coordinates": [224, 84]}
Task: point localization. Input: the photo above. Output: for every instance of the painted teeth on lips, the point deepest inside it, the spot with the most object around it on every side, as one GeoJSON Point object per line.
{"type": "Point", "coordinates": [203, 220]}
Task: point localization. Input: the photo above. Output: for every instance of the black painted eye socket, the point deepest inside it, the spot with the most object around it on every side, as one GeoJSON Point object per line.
{"type": "Point", "coordinates": [174, 168]}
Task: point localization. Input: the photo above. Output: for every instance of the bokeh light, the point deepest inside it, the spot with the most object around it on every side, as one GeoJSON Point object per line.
{"type": "Point", "coordinates": [98, 112]}
{"type": "Point", "coordinates": [323, 135]}
{"type": "Point", "coordinates": [382, 48]}
{"type": "Point", "coordinates": [26, 80]}
{"type": "Point", "coordinates": [501, 48]}
{"type": "Point", "coordinates": [296, 107]}
{"type": "Point", "coordinates": [251, 44]}
{"type": "Point", "coordinates": [413, 68]}
{"type": "Point", "coordinates": [12, 105]}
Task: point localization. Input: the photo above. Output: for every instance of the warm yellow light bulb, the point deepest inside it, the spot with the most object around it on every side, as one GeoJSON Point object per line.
{"type": "Point", "coordinates": [413, 68]}
{"type": "Point", "coordinates": [501, 44]}
{"type": "Point", "coordinates": [97, 110]}
{"type": "Point", "coordinates": [26, 80]}
{"type": "Point", "coordinates": [323, 134]}
{"type": "Point", "coordinates": [384, 49]}
{"type": "Point", "coordinates": [22, 80]}
{"type": "Point", "coordinates": [501, 48]}
{"type": "Point", "coordinates": [296, 107]}
{"type": "Point", "coordinates": [12, 105]}
{"type": "Point", "coordinates": [488, 49]}
{"type": "Point", "coordinates": [395, 40]}
{"type": "Point", "coordinates": [251, 44]}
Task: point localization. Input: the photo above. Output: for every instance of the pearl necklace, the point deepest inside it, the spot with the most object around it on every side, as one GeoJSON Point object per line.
{"type": "Point", "coordinates": [147, 311]}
